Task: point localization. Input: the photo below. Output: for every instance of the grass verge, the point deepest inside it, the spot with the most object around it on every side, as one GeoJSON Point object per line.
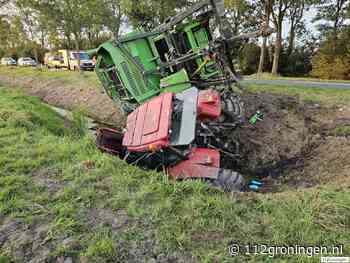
{"type": "Point", "coordinates": [269, 76]}
{"type": "Point", "coordinates": [326, 96]}
{"type": "Point", "coordinates": [64, 76]}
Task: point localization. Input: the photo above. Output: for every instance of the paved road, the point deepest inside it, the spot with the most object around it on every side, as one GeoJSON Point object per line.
{"type": "Point", "coordinates": [299, 83]}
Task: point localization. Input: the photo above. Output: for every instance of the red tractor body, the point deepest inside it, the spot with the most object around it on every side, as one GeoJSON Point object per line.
{"type": "Point", "coordinates": [201, 163]}
{"type": "Point", "coordinates": [178, 132]}
{"type": "Point", "coordinates": [148, 126]}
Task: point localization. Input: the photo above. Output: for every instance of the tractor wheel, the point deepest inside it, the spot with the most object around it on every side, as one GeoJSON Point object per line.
{"type": "Point", "coordinates": [232, 107]}
{"type": "Point", "coordinates": [127, 107]}
{"type": "Point", "coordinates": [229, 181]}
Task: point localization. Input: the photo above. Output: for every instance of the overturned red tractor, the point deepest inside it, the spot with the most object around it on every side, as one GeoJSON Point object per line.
{"type": "Point", "coordinates": [182, 133]}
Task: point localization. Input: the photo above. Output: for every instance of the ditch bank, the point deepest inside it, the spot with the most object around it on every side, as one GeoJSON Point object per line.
{"type": "Point", "coordinates": [79, 95]}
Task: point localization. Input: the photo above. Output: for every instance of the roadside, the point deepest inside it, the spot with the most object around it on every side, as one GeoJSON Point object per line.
{"type": "Point", "coordinates": [64, 89]}
{"type": "Point", "coordinates": [65, 76]}
{"type": "Point", "coordinates": [269, 76]}
{"type": "Point", "coordinates": [296, 83]}
{"type": "Point", "coordinates": [327, 96]}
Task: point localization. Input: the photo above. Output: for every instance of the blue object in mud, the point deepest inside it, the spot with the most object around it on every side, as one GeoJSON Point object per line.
{"type": "Point", "coordinates": [258, 183]}
{"type": "Point", "coordinates": [254, 187]}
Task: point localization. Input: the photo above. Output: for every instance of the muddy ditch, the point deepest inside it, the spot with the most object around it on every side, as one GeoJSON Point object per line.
{"type": "Point", "coordinates": [296, 145]}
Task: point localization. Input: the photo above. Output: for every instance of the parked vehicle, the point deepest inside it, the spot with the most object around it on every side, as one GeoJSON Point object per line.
{"type": "Point", "coordinates": [85, 62]}
{"type": "Point", "coordinates": [8, 62]}
{"type": "Point", "coordinates": [69, 60]}
{"type": "Point", "coordinates": [53, 60]}
{"type": "Point", "coordinates": [27, 62]}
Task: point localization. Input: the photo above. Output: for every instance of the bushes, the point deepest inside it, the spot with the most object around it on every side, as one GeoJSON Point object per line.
{"type": "Point", "coordinates": [332, 61]}
{"type": "Point", "coordinates": [331, 67]}
{"type": "Point", "coordinates": [249, 58]}
{"type": "Point", "coordinates": [328, 60]}
{"type": "Point", "coordinates": [298, 63]}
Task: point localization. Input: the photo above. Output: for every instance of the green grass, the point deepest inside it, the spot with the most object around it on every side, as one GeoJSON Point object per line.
{"type": "Point", "coordinates": [64, 76]}
{"type": "Point", "coordinates": [327, 96]}
{"type": "Point", "coordinates": [185, 218]}
{"type": "Point", "coordinates": [341, 131]}
{"type": "Point", "coordinates": [4, 259]}
{"type": "Point", "coordinates": [269, 76]}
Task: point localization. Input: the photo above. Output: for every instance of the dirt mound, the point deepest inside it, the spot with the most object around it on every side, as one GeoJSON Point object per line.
{"type": "Point", "coordinates": [296, 143]}
{"type": "Point", "coordinates": [280, 135]}
{"type": "Point", "coordinates": [68, 96]}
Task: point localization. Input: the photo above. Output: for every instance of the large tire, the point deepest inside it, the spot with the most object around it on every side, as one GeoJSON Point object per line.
{"type": "Point", "coordinates": [127, 107]}
{"type": "Point", "coordinates": [229, 181]}
{"type": "Point", "coordinates": [232, 107]}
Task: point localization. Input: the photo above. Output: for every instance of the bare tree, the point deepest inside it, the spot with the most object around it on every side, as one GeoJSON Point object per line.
{"type": "Point", "coordinates": [333, 13]}
{"type": "Point", "coordinates": [295, 16]}
{"type": "Point", "coordinates": [279, 12]}
{"type": "Point", "coordinates": [267, 8]}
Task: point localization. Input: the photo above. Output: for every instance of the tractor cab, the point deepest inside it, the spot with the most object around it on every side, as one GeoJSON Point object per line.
{"type": "Point", "coordinates": [173, 57]}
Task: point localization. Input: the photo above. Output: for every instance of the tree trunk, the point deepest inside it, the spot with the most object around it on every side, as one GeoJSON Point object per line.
{"type": "Point", "coordinates": [68, 42]}
{"type": "Point", "coordinates": [118, 19]}
{"type": "Point", "coordinates": [270, 48]}
{"type": "Point", "coordinates": [291, 39]}
{"type": "Point", "coordinates": [118, 24]}
{"type": "Point", "coordinates": [90, 38]}
{"type": "Point", "coordinates": [278, 48]}
{"type": "Point", "coordinates": [262, 56]}
{"type": "Point", "coordinates": [36, 55]}
{"type": "Point", "coordinates": [267, 10]}
{"type": "Point", "coordinates": [77, 47]}
{"type": "Point", "coordinates": [42, 39]}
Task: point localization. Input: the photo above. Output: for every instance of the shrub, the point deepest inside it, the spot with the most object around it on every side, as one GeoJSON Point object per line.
{"type": "Point", "coordinates": [249, 58]}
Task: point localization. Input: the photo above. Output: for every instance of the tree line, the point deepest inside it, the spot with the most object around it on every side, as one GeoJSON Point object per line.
{"type": "Point", "coordinates": [31, 27]}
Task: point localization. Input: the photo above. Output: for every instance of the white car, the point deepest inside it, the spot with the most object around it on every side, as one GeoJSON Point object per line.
{"type": "Point", "coordinates": [26, 62]}
{"type": "Point", "coordinates": [8, 62]}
